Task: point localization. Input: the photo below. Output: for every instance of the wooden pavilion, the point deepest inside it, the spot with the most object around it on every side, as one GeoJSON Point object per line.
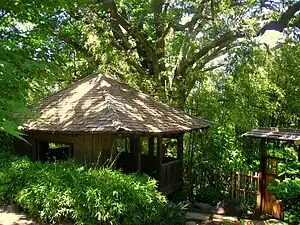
{"type": "Point", "coordinates": [266, 202]}
{"type": "Point", "coordinates": [88, 119]}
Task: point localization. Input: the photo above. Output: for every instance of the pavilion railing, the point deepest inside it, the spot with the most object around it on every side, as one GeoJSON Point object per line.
{"type": "Point", "coordinates": [170, 176]}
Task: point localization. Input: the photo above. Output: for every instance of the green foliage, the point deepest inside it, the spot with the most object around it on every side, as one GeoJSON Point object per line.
{"type": "Point", "coordinates": [162, 47]}
{"type": "Point", "coordinates": [253, 91]}
{"type": "Point", "coordinates": [291, 169]}
{"type": "Point", "coordinates": [33, 63]}
{"type": "Point", "coordinates": [288, 192]}
{"type": "Point", "coordinates": [65, 190]}
{"type": "Point", "coordinates": [6, 142]}
{"type": "Point", "coordinates": [14, 84]}
{"type": "Point", "coordinates": [210, 162]}
{"type": "Point", "coordinates": [171, 214]}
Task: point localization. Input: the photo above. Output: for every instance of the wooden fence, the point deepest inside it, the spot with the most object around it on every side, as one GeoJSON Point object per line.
{"type": "Point", "coordinates": [244, 185]}
{"type": "Point", "coordinates": [226, 184]}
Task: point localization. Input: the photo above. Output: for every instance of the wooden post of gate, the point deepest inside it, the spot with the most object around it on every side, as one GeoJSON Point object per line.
{"type": "Point", "coordinates": [262, 175]}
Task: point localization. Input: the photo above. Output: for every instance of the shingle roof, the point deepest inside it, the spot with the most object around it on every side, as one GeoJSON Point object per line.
{"type": "Point", "coordinates": [100, 103]}
{"type": "Point", "coordinates": [274, 133]}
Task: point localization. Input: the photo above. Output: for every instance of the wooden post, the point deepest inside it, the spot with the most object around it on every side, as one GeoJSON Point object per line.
{"type": "Point", "coordinates": [139, 155]}
{"type": "Point", "coordinates": [180, 147]}
{"type": "Point", "coordinates": [160, 155]}
{"type": "Point", "coordinates": [262, 177]}
{"type": "Point", "coordinates": [131, 147]}
{"type": "Point", "coordinates": [38, 150]}
{"type": "Point", "coordinates": [33, 149]}
{"type": "Point", "coordinates": [135, 150]}
{"type": "Point", "coordinates": [180, 153]}
{"type": "Point", "coordinates": [43, 148]}
{"type": "Point", "coordinates": [160, 151]}
{"type": "Point", "coordinates": [151, 146]}
{"type": "Point", "coordinates": [126, 144]}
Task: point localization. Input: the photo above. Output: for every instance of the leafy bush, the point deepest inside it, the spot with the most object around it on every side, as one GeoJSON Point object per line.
{"type": "Point", "coordinates": [288, 193]}
{"type": "Point", "coordinates": [171, 214]}
{"type": "Point", "coordinates": [65, 190]}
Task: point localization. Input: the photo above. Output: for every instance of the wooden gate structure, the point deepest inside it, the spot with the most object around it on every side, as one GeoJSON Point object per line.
{"type": "Point", "coordinates": [266, 201]}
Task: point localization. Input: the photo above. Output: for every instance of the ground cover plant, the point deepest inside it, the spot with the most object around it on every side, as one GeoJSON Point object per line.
{"type": "Point", "coordinates": [64, 190]}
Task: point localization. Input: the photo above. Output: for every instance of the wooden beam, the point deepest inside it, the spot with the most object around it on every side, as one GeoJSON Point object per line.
{"type": "Point", "coordinates": [262, 177]}
{"type": "Point", "coordinates": [135, 149]}
{"type": "Point", "coordinates": [151, 146]}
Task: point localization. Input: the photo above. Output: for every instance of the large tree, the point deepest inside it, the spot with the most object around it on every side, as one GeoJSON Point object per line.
{"type": "Point", "coordinates": [158, 40]}
{"type": "Point", "coordinates": [164, 47]}
{"type": "Point", "coordinates": [167, 41]}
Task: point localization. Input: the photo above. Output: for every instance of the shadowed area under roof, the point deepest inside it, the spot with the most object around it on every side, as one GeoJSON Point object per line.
{"type": "Point", "coordinates": [274, 133]}
{"type": "Point", "coordinates": [100, 103]}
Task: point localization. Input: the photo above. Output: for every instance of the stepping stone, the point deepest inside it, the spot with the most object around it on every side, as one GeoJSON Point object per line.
{"type": "Point", "coordinates": [197, 216]}
{"type": "Point", "coordinates": [205, 208]}
{"type": "Point", "coordinates": [190, 223]}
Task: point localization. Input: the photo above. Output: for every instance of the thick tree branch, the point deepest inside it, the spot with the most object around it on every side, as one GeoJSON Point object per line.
{"type": "Point", "coordinates": [215, 53]}
{"type": "Point", "coordinates": [117, 31]}
{"type": "Point", "coordinates": [213, 67]}
{"type": "Point", "coordinates": [133, 31]}
{"type": "Point", "coordinates": [218, 43]}
{"type": "Point", "coordinates": [283, 21]}
{"type": "Point", "coordinates": [128, 57]}
{"type": "Point", "coordinates": [78, 46]}
{"type": "Point", "coordinates": [157, 8]}
{"type": "Point", "coordinates": [192, 22]}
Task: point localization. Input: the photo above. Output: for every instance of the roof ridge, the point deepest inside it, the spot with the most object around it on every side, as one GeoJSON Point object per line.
{"type": "Point", "coordinates": [111, 108]}
{"type": "Point", "coordinates": [160, 102]}
{"type": "Point", "coordinates": [100, 102]}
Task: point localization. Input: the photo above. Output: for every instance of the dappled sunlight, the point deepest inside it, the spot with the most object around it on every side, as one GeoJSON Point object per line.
{"type": "Point", "coordinates": [101, 103]}
{"type": "Point", "coordinates": [283, 134]}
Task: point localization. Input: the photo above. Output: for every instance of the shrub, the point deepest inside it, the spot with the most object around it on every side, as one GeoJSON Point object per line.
{"type": "Point", "coordinates": [171, 214]}
{"type": "Point", "coordinates": [288, 193]}
{"type": "Point", "coordinates": [64, 190]}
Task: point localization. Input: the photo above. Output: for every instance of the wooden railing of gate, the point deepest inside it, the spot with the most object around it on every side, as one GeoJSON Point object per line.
{"type": "Point", "coordinates": [244, 185]}
{"type": "Point", "coordinates": [235, 184]}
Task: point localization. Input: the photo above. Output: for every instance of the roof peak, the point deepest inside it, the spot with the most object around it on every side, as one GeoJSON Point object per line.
{"type": "Point", "coordinates": [101, 103]}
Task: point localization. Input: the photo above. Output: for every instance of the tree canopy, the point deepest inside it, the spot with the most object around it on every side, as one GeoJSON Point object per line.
{"type": "Point", "coordinates": [174, 50]}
